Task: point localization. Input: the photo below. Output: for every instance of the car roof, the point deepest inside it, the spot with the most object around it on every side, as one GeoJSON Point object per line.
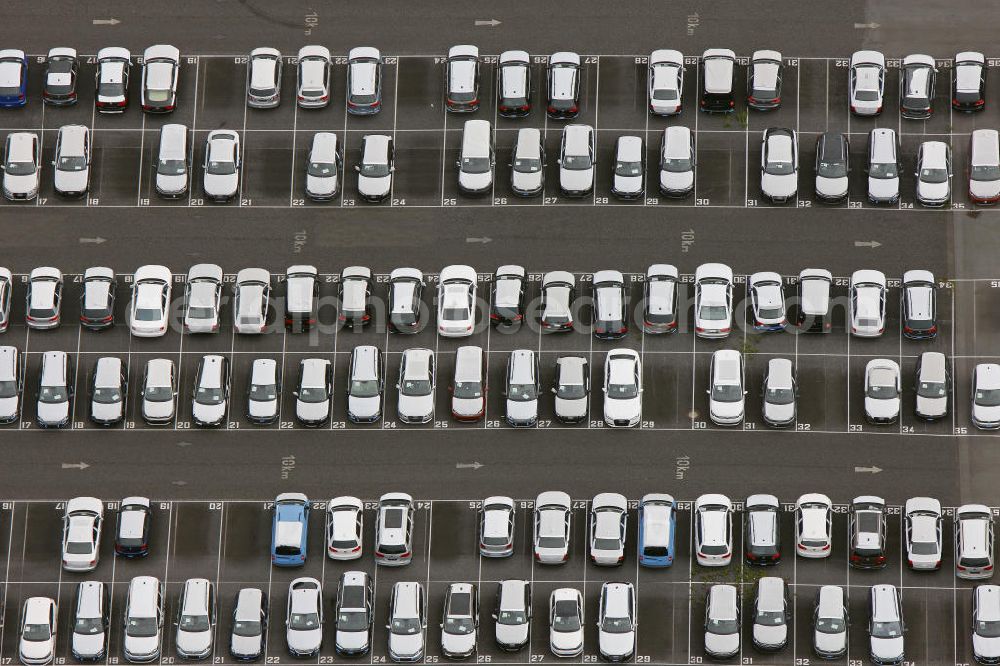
{"type": "Point", "coordinates": [918, 276]}
{"type": "Point", "coordinates": [922, 504]}
{"type": "Point", "coordinates": [108, 371]}
{"type": "Point", "coordinates": [770, 593]}
{"type": "Point", "coordinates": [935, 153]}
{"type": "Point", "coordinates": [719, 65]}
{"type": "Point", "coordinates": [662, 270]}
{"type": "Point", "coordinates": [158, 369]}
{"type": "Point", "coordinates": [21, 145]}
{"type": "Point", "coordinates": [461, 50]}
{"type": "Point", "coordinates": [577, 138]}
{"type": "Point", "coordinates": [985, 147]}
{"type": "Point", "coordinates": [727, 366]}
{"type": "Point", "coordinates": [918, 59]}
{"type": "Point", "coordinates": [205, 271]}
{"type": "Point", "coordinates": [831, 601]}
{"type": "Point", "coordinates": [98, 272]}
{"type": "Point", "coordinates": [511, 594]}
{"type": "Point", "coordinates": [324, 144]}
{"type": "Point", "coordinates": [253, 275]}
{"type": "Point", "coordinates": [113, 52]}
{"type": "Point", "coordinates": [418, 362]}
{"type": "Point", "coordinates": [779, 373]}
{"type": "Point", "coordinates": [608, 275]}
{"type": "Point", "coordinates": [564, 57]}
{"type": "Point", "coordinates": [722, 602]}
{"type": "Point", "coordinates": [884, 598]}
{"type": "Point", "coordinates": [71, 139]}
{"type": "Point", "coordinates": [314, 51]}
{"type": "Point", "coordinates": [152, 272]}
{"type": "Point", "coordinates": [528, 142]}
{"type": "Point", "coordinates": [988, 603]}
{"type": "Point", "coordinates": [514, 56]}
{"type": "Point", "coordinates": [553, 277]}
{"type": "Point", "coordinates": [988, 375]}
{"type": "Point", "coordinates": [629, 148]}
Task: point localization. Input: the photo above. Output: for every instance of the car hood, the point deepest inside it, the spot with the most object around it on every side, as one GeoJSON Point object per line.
{"type": "Point", "coordinates": [209, 413]}
{"type": "Point", "coordinates": [262, 408]}
{"type": "Point", "coordinates": [831, 187]}
{"type": "Point", "coordinates": [984, 189]}
{"type": "Point", "coordinates": [882, 408]}
{"type": "Point", "coordinates": [305, 641]}
{"type": "Point", "coordinates": [71, 181]}
{"type": "Point", "coordinates": [158, 410]}
{"type": "Point", "coordinates": [887, 648]}
{"type": "Point", "coordinates": [20, 183]}
{"type": "Point", "coordinates": [8, 407]}
{"type": "Point", "coordinates": [53, 412]}
{"type": "Point", "coordinates": [770, 635]}
{"type": "Point", "coordinates": [467, 406]}
{"type": "Point", "coordinates": [933, 191]}
{"type": "Point", "coordinates": [142, 645]}
{"type": "Point", "coordinates": [171, 183]}
{"type": "Point", "coordinates": [406, 645]}
{"type": "Point", "coordinates": [106, 412]}
{"type": "Point", "coordinates": [475, 181]}
{"type": "Point", "coordinates": [374, 186]}
{"type": "Point", "coordinates": [526, 181]}
{"type": "Point", "coordinates": [576, 179]}
{"type": "Point", "coordinates": [566, 640]}
{"type": "Point", "coordinates": [627, 408]}
{"type": "Point", "coordinates": [883, 188]}
{"type": "Point", "coordinates": [312, 411]}
{"type": "Point", "coordinates": [571, 408]}
{"type": "Point", "coordinates": [194, 642]}
{"type": "Point", "coordinates": [780, 413]}
{"type": "Point", "coordinates": [986, 414]}
{"type": "Point", "coordinates": [35, 650]}
{"type": "Point", "coordinates": [221, 185]}
{"type": "Point", "coordinates": [415, 405]}
{"type": "Point", "coordinates": [986, 647]}
{"type": "Point", "coordinates": [932, 406]}
{"type": "Point", "coordinates": [512, 634]}
{"type": "Point", "coordinates": [88, 645]}
{"type": "Point", "coordinates": [779, 186]}
{"type": "Point", "coordinates": [727, 410]}
{"type": "Point", "coordinates": [458, 643]}
{"type": "Point", "coordinates": [628, 183]}
{"type": "Point", "coordinates": [246, 645]}
{"type": "Point", "coordinates": [364, 407]}
{"type": "Point", "coordinates": [616, 644]}
{"type": "Point", "coordinates": [831, 643]}
{"type": "Point", "coordinates": [352, 640]}
{"type": "Point", "coordinates": [670, 180]}
{"type": "Point", "coordinates": [722, 644]}
{"type": "Point", "coordinates": [522, 410]}
{"type": "Point", "coordinates": [321, 185]}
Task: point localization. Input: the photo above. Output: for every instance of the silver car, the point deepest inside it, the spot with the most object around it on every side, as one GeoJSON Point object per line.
{"type": "Point", "coordinates": [364, 385]}
{"type": "Point", "coordinates": [304, 617]}
{"type": "Point", "coordinates": [11, 383]}
{"type": "Point", "coordinates": [883, 166]}
{"type": "Point", "coordinates": [355, 610]}
{"type": "Point", "coordinates": [314, 77]}
{"type": "Point", "coordinates": [885, 625]}
{"type": "Point", "coordinates": [629, 178]}
{"type": "Point", "coordinates": [21, 166]}
{"type": "Point", "coordinates": [577, 159]}
{"type": "Point", "coordinates": [221, 180]}
{"type": "Point", "coordinates": [323, 167]}
{"type": "Point", "coordinates": [71, 175]}
{"type": "Point", "coordinates": [263, 391]}
{"type": "Point", "coordinates": [496, 527]}
{"type": "Point", "coordinates": [415, 400]}
{"type": "Point", "coordinates": [407, 622]}
{"type": "Point", "coordinates": [394, 530]}
{"type": "Point", "coordinates": [677, 161]}
{"type": "Point", "coordinates": [196, 619]}
{"type": "Point", "coordinates": [56, 385]}
{"type": "Point", "coordinates": [364, 80]}
{"type": "Point", "coordinates": [830, 622]}
{"type": "Point", "coordinates": [521, 389]}
{"type": "Point", "coordinates": [251, 301]}
{"type": "Point", "coordinates": [203, 298]}
{"type": "Point", "coordinates": [158, 391]}
{"type": "Point", "coordinates": [923, 528]}
{"type": "Point", "coordinates": [173, 161]}
{"type": "Point", "coordinates": [527, 176]}
{"type": "Point", "coordinates": [566, 622]}
{"type": "Point", "coordinates": [44, 298]}
{"type": "Point", "coordinates": [932, 386]}
{"type": "Point", "coordinates": [512, 614]}
{"type": "Point", "coordinates": [572, 388]}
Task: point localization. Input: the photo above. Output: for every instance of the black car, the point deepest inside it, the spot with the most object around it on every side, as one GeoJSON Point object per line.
{"type": "Point", "coordinates": [135, 522]}
{"type": "Point", "coordinates": [563, 86]}
{"type": "Point", "coordinates": [507, 304]}
{"type": "Point", "coordinates": [916, 87]}
{"type": "Point", "coordinates": [610, 308]}
{"type": "Point", "coordinates": [968, 82]}
{"type": "Point", "coordinates": [406, 306]}
{"type": "Point", "coordinates": [97, 303]}
{"type": "Point", "coordinates": [764, 81]}
{"type": "Point", "coordinates": [919, 305]}
{"type": "Point", "coordinates": [61, 70]}
{"type": "Point", "coordinates": [762, 531]}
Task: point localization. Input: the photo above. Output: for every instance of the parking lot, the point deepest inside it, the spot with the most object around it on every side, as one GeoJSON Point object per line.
{"type": "Point", "coordinates": [227, 542]}
{"type": "Point", "coordinates": [276, 142]}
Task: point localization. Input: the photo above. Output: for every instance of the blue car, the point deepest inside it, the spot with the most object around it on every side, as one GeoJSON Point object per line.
{"type": "Point", "coordinates": [290, 530]}
{"type": "Point", "coordinates": [657, 525]}
{"type": "Point", "coordinates": [13, 78]}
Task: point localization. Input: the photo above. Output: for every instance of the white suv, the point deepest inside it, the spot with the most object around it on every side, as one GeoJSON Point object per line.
{"type": "Point", "coordinates": [713, 530]}
{"type": "Point", "coordinates": [616, 621]}
{"type": "Point", "coordinates": [143, 620]}
{"type": "Point", "coordinates": [727, 396]}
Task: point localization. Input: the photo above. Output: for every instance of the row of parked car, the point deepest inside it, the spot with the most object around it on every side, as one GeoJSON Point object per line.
{"type": "Point", "coordinates": [558, 310]}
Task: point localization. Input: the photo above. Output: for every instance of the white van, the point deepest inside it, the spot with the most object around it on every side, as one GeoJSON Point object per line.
{"type": "Point", "coordinates": [475, 165]}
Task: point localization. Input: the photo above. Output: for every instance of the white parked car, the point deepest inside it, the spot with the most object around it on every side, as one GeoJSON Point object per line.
{"type": "Point", "coordinates": [883, 390]}
{"type": "Point", "coordinates": [616, 621]}
{"type": "Point", "coordinates": [344, 528]}
{"type": "Point", "coordinates": [622, 388]}
{"type": "Point", "coordinates": [81, 542]}
{"type": "Point", "coordinates": [923, 528]}
{"type": "Point", "coordinates": [204, 297]}
{"type": "Point", "coordinates": [158, 391]}
{"type": "Point", "coordinates": [496, 529]}
{"type": "Point", "coordinates": [867, 83]}
{"type": "Point", "coordinates": [713, 301]}
{"type": "Point", "coordinates": [460, 620]}
{"type": "Point", "coordinates": [415, 399]}
{"type": "Point", "coordinates": [551, 527]}
{"type": "Point", "coordinates": [984, 166]}
{"type": "Point", "coordinates": [196, 619]}
{"type": "Point", "coordinates": [713, 531]}
{"type": "Point", "coordinates": [71, 174]}
{"type": "Point", "coordinates": [304, 617]}
{"type": "Point", "coordinates": [161, 65]}
{"type": "Point", "coordinates": [722, 622]}
{"type": "Point", "coordinates": [986, 396]}
{"type": "Point", "coordinates": [313, 89]}
{"type": "Point", "coordinates": [577, 158]}
{"type": "Point", "coordinates": [727, 397]}
{"type": "Point", "coordinates": [251, 303]}
{"type": "Point", "coordinates": [150, 306]}
{"type": "Point", "coordinates": [608, 518]}
{"type": "Point", "coordinates": [813, 526]}
{"type": "Point", "coordinates": [767, 298]}
{"type": "Point", "coordinates": [779, 164]}
{"type": "Point", "coordinates": [566, 622]}
{"type": "Point", "coordinates": [221, 180]}
{"type": "Point", "coordinates": [933, 173]}
{"type": "Point", "coordinates": [37, 631]}
{"type": "Point", "coordinates": [830, 622]}
{"type": "Point", "coordinates": [376, 167]}
{"type": "Point", "coordinates": [22, 166]}
{"type": "Point", "coordinates": [323, 167]}
{"type": "Point", "coordinates": [780, 392]}
{"type": "Point", "coordinates": [867, 308]}
{"type": "Point", "coordinates": [456, 301]}
{"type": "Point", "coordinates": [677, 161]}
{"type": "Point", "coordinates": [666, 82]}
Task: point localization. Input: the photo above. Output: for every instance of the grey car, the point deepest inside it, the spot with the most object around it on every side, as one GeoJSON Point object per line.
{"type": "Point", "coordinates": [55, 390]}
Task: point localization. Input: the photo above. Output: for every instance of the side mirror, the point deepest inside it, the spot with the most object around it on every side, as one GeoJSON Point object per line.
{"type": "Point", "coordinates": [388, 627]}
{"type": "Point", "coordinates": [397, 385]}
{"type": "Point", "coordinates": [458, 164]}
{"type": "Point", "coordinates": [559, 161]}
{"type": "Point", "coordinates": [494, 616]}
{"type": "Point", "coordinates": [709, 391]}
{"type": "Point", "coordinates": [553, 389]}
{"type": "Point", "coordinates": [295, 393]}
{"type": "Point", "coordinates": [357, 168]}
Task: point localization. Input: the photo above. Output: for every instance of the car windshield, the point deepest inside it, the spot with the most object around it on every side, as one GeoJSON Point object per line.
{"type": "Point", "coordinates": [616, 625]}
{"type": "Point", "coordinates": [779, 168]}
{"type": "Point", "coordinates": [8, 389]}
{"type": "Point", "coordinates": [476, 164]}
{"type": "Point", "coordinates": [510, 617]}
{"type": "Point", "coordinates": [521, 392]}
{"type": "Point", "coordinates": [194, 623]}
{"type": "Point", "coordinates": [364, 388]}
{"type": "Point", "coordinates": [158, 393]}
{"type": "Point", "coordinates": [722, 627]}
{"type": "Point", "coordinates": [88, 626]}
{"type": "Point", "coordinates": [713, 312]}
{"type": "Point", "coordinates": [931, 390]}
{"type": "Point", "coordinates": [780, 396]}
{"type": "Point", "coordinates": [20, 168]}
{"type": "Point", "coordinates": [405, 626]}
{"type": "Point", "coordinates": [36, 632]}
{"type": "Point", "coordinates": [322, 169]}
{"type": "Point", "coordinates": [985, 172]}
{"type": "Point", "coordinates": [107, 396]}
{"type": "Point", "coordinates": [416, 387]}
{"type": "Point", "coordinates": [221, 167]}
{"type": "Point", "coordinates": [303, 621]}
{"type": "Point", "coordinates": [352, 621]}
{"type": "Point", "coordinates": [313, 394]}
{"type": "Point", "coordinates": [832, 169]}
{"type": "Point", "coordinates": [208, 396]}
{"type": "Point", "coordinates": [468, 390]}
{"type": "Point", "coordinates": [53, 394]}
{"type": "Point", "coordinates": [79, 547]}
{"type": "Point", "coordinates": [934, 175]}
{"type": "Point", "coordinates": [988, 628]}
{"type": "Point", "coordinates": [882, 392]}
{"type": "Point", "coordinates": [171, 167]}
{"type": "Point", "coordinates": [988, 397]}
{"type": "Point", "coordinates": [607, 544]}
{"type": "Point", "coordinates": [566, 617]}
{"type": "Point", "coordinates": [770, 618]}
{"type": "Point", "coordinates": [866, 95]}
{"type": "Point", "coordinates": [72, 163]}
{"type": "Point", "coordinates": [886, 630]}
{"type": "Point", "coordinates": [263, 392]}
{"type": "Point", "coordinates": [571, 391]}
{"type": "Point", "coordinates": [830, 625]}
{"type": "Point", "coordinates": [677, 164]}
{"type": "Point", "coordinates": [883, 170]}
{"type": "Point", "coordinates": [142, 627]}
{"type": "Point", "coordinates": [246, 628]}
{"type": "Point", "coordinates": [527, 165]}
{"type": "Point", "coordinates": [459, 625]}
{"type": "Point", "coordinates": [623, 391]}
{"type": "Point", "coordinates": [628, 169]}
{"type": "Point", "coordinates": [147, 314]}
{"type": "Point", "coordinates": [577, 162]}
{"type": "Point", "coordinates": [726, 393]}
{"type": "Point", "coordinates": [370, 170]}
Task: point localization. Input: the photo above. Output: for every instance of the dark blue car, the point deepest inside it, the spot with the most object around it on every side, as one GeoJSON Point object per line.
{"type": "Point", "coordinates": [13, 78]}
